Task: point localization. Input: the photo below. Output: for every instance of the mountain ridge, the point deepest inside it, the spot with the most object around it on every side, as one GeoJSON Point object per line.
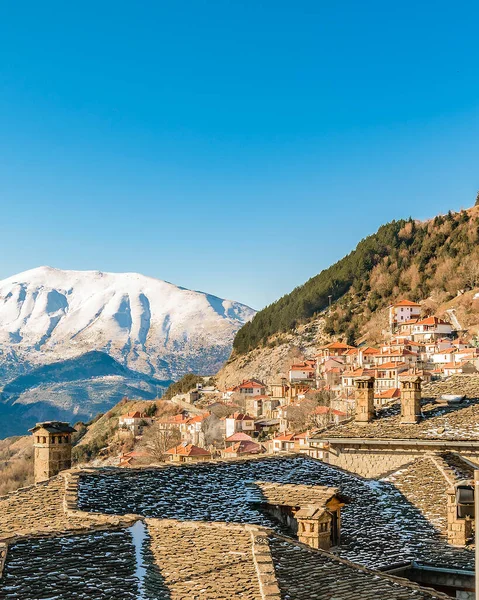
{"type": "Point", "coordinates": [148, 324]}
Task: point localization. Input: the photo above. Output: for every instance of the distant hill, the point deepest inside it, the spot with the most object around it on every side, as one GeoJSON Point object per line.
{"type": "Point", "coordinates": [72, 343]}
{"type": "Point", "coordinates": [432, 260]}
{"type": "Point", "coordinates": [71, 390]}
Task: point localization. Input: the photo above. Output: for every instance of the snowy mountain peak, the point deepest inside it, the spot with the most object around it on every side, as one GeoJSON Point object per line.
{"type": "Point", "coordinates": [150, 325]}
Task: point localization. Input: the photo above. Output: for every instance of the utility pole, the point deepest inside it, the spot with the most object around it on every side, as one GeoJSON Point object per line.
{"type": "Point", "coordinates": [330, 297]}
{"type": "Point", "coordinates": [476, 516]}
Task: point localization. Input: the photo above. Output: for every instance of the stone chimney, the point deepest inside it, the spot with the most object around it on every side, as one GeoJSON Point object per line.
{"type": "Point", "coordinates": [364, 395]}
{"type": "Point", "coordinates": [315, 527]}
{"type": "Point", "coordinates": [52, 449]}
{"type": "Point", "coordinates": [410, 400]}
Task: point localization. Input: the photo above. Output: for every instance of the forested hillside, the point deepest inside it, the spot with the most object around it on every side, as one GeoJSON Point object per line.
{"type": "Point", "coordinates": [432, 260]}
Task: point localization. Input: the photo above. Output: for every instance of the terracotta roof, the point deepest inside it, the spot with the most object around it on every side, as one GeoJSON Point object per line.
{"type": "Point", "coordinates": [388, 366]}
{"type": "Point", "coordinates": [358, 373]}
{"type": "Point", "coordinates": [285, 437]}
{"type": "Point", "coordinates": [198, 418]}
{"type": "Point", "coordinates": [250, 383]}
{"type": "Point", "coordinates": [337, 346]}
{"type": "Point", "coordinates": [245, 447]}
{"type": "Point", "coordinates": [432, 321]}
{"type": "Point", "coordinates": [388, 394]}
{"type": "Point", "coordinates": [351, 352]}
{"type": "Point", "coordinates": [370, 350]}
{"type": "Point", "coordinates": [240, 417]}
{"type": "Point", "coordinates": [188, 450]}
{"type": "Point", "coordinates": [174, 420]}
{"type": "Point", "coordinates": [325, 410]}
{"type": "Point", "coordinates": [405, 303]}
{"type": "Point", "coordinates": [239, 437]}
{"type": "Point", "coordinates": [133, 415]}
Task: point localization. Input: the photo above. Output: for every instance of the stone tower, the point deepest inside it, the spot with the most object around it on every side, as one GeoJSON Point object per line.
{"type": "Point", "coordinates": [52, 448]}
{"type": "Point", "coordinates": [364, 399]}
{"type": "Point", "coordinates": [410, 400]}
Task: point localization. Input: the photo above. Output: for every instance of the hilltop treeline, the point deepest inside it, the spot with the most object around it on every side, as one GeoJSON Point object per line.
{"type": "Point", "coordinates": [401, 258]}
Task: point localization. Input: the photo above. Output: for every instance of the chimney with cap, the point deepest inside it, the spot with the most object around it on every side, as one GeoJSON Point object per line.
{"type": "Point", "coordinates": [410, 400]}
{"type": "Point", "coordinates": [364, 394]}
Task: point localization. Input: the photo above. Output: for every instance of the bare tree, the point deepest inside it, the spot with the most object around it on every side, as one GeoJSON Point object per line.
{"type": "Point", "coordinates": [211, 430]}
{"type": "Point", "coordinates": [157, 440]}
{"type": "Point", "coordinates": [471, 271]}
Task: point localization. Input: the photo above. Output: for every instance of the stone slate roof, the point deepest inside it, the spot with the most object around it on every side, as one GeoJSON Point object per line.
{"type": "Point", "coordinates": [99, 565]}
{"type": "Point", "coordinates": [38, 510]}
{"type": "Point", "coordinates": [205, 540]}
{"type": "Point", "coordinates": [54, 427]}
{"type": "Point", "coordinates": [290, 495]}
{"type": "Point", "coordinates": [204, 560]}
{"type": "Point", "coordinates": [303, 574]}
{"type": "Point", "coordinates": [440, 422]}
{"type": "Point", "coordinates": [381, 526]}
{"type": "Point", "coordinates": [190, 560]}
{"type": "Point", "coordinates": [425, 481]}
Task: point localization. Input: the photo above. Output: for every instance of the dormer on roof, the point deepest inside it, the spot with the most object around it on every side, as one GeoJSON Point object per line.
{"type": "Point", "coordinates": [311, 512]}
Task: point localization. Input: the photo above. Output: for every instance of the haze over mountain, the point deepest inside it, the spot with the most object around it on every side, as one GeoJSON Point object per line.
{"type": "Point", "coordinates": [153, 330]}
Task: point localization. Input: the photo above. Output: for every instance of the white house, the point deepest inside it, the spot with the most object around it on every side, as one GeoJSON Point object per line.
{"type": "Point", "coordinates": [402, 311]}
{"type": "Point", "coordinates": [302, 372]}
{"type": "Point", "coordinates": [251, 387]}
{"type": "Point", "coordinates": [238, 422]}
{"type": "Point", "coordinates": [134, 422]}
{"type": "Point", "coordinates": [431, 328]}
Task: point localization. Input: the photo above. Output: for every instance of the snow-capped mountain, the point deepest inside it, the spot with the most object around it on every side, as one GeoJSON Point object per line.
{"type": "Point", "coordinates": [146, 324]}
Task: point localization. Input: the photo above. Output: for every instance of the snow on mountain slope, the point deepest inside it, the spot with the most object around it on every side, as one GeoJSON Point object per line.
{"type": "Point", "coordinates": [149, 325]}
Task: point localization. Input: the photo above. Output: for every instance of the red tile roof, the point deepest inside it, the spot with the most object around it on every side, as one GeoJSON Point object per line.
{"type": "Point", "coordinates": [133, 415]}
{"type": "Point", "coordinates": [388, 394]}
{"type": "Point", "coordinates": [188, 450]}
{"type": "Point", "coordinates": [388, 365]}
{"type": "Point", "coordinates": [250, 383]}
{"type": "Point", "coordinates": [405, 303]}
{"type": "Point", "coordinates": [245, 447]}
{"type": "Point", "coordinates": [240, 417]}
{"type": "Point", "coordinates": [370, 350]}
{"type": "Point", "coordinates": [432, 321]}
{"type": "Point", "coordinates": [239, 437]}
{"type": "Point", "coordinates": [326, 410]}
{"type": "Point", "coordinates": [174, 420]}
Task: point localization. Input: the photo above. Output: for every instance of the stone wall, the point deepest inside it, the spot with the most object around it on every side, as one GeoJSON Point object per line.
{"type": "Point", "coordinates": [375, 462]}
{"type": "Point", "coordinates": [370, 463]}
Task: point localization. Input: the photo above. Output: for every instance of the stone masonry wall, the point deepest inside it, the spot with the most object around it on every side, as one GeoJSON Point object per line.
{"type": "Point", "coordinates": [376, 462]}
{"type": "Point", "coordinates": [370, 464]}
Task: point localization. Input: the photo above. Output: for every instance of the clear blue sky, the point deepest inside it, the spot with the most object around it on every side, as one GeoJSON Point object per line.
{"type": "Point", "coordinates": [232, 147]}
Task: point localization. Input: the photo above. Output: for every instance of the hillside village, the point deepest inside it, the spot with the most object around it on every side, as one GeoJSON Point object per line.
{"type": "Point", "coordinates": [254, 417]}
